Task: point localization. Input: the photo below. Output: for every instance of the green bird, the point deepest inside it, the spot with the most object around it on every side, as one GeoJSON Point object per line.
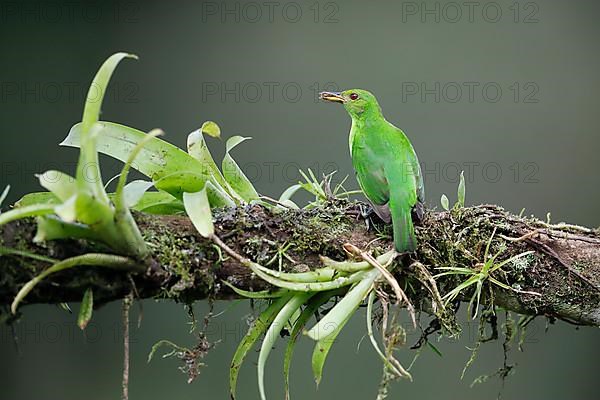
{"type": "Point", "coordinates": [386, 165]}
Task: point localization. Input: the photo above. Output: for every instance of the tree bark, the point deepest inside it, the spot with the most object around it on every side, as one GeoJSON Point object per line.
{"type": "Point", "coordinates": [564, 270]}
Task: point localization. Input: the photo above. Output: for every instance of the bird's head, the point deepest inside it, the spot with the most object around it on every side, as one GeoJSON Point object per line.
{"type": "Point", "coordinates": [358, 102]}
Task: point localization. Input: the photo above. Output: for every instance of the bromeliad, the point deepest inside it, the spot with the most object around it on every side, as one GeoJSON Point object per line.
{"type": "Point", "coordinates": [387, 168]}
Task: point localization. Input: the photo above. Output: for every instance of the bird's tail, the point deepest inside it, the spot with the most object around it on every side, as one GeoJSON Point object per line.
{"type": "Point", "coordinates": [404, 232]}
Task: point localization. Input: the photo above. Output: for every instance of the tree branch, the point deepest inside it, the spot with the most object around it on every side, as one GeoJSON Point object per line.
{"type": "Point", "coordinates": [564, 270]}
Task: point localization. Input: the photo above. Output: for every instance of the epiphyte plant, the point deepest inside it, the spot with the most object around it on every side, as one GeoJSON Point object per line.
{"type": "Point", "coordinates": [80, 208]}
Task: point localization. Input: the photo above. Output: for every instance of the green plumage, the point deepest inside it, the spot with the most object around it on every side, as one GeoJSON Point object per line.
{"type": "Point", "coordinates": [386, 164]}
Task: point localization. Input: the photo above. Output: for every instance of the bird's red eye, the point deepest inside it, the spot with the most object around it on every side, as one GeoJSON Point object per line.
{"type": "Point", "coordinates": [353, 96]}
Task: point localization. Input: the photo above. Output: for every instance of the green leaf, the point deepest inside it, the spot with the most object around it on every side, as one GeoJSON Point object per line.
{"type": "Point", "coordinates": [351, 267]}
{"type": "Point", "coordinates": [211, 128]}
{"type": "Point", "coordinates": [197, 208]}
{"type": "Point", "coordinates": [455, 292]}
{"type": "Point", "coordinates": [313, 185]}
{"type": "Point", "coordinates": [173, 170]}
{"type": "Point", "coordinates": [50, 227]}
{"type": "Point", "coordinates": [26, 254]}
{"type": "Point", "coordinates": [311, 308]}
{"type": "Point", "coordinates": [120, 203]}
{"type": "Point", "coordinates": [233, 173]}
{"type": "Point", "coordinates": [461, 190]}
{"type": "Point", "coordinates": [324, 274]}
{"type": "Point", "coordinates": [37, 198]}
{"type": "Point", "coordinates": [86, 208]}
{"type": "Point", "coordinates": [289, 192]}
{"type": "Point", "coordinates": [88, 156]}
{"type": "Point", "coordinates": [98, 87]}
{"type": "Point", "coordinates": [24, 212]}
{"type": "Point", "coordinates": [89, 259]}
{"type": "Point", "coordinates": [217, 197]}
{"type": "Point", "coordinates": [255, 331]}
{"type": "Point", "coordinates": [60, 184]}
{"type": "Point", "coordinates": [3, 195]}
{"type": "Point", "coordinates": [65, 307]}
{"type": "Point", "coordinates": [307, 286]}
{"type": "Point", "coordinates": [445, 202]}
{"type": "Point", "coordinates": [434, 348]}
{"type": "Point", "coordinates": [322, 350]}
{"type": "Point", "coordinates": [85, 309]}
{"type": "Point", "coordinates": [134, 191]}
{"type": "Point", "coordinates": [157, 199]}
{"type": "Point", "coordinates": [344, 309]}
{"type": "Point", "coordinates": [273, 333]}
{"type": "Point", "coordinates": [263, 294]}
{"type": "Point", "coordinates": [197, 148]}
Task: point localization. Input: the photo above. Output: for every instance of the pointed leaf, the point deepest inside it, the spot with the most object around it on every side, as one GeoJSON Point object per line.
{"type": "Point", "coordinates": [85, 309]}
{"type": "Point", "coordinates": [263, 294]}
{"type": "Point", "coordinates": [308, 286]}
{"type": "Point", "coordinates": [173, 170]}
{"type": "Point", "coordinates": [461, 190]}
{"type": "Point", "coordinates": [3, 195]}
{"type": "Point", "coordinates": [324, 274]}
{"type": "Point", "coordinates": [37, 198]}
{"type": "Point", "coordinates": [89, 259]}
{"type": "Point", "coordinates": [134, 191]}
{"type": "Point", "coordinates": [217, 197]}
{"type": "Point", "coordinates": [234, 175]}
{"type": "Point", "coordinates": [67, 211]}
{"type": "Point", "coordinates": [289, 204]}
{"type": "Point", "coordinates": [88, 156]}
{"type": "Point", "coordinates": [24, 212]}
{"type": "Point", "coordinates": [197, 208]}
{"type": "Point", "coordinates": [197, 148]}
{"type": "Point", "coordinates": [120, 203]}
{"type": "Point", "coordinates": [344, 309]}
{"type": "Point", "coordinates": [97, 89]}
{"type": "Point", "coordinates": [86, 208]}
{"type": "Point", "coordinates": [65, 307]}
{"type": "Point", "coordinates": [322, 350]}
{"type": "Point", "coordinates": [150, 200]}
{"type": "Point", "coordinates": [355, 266]}
{"type": "Point", "coordinates": [289, 192]}
{"type": "Point", "coordinates": [258, 327]}
{"type": "Point", "coordinates": [311, 308]}
{"type": "Point", "coordinates": [273, 333]}
{"type": "Point", "coordinates": [445, 202]}
{"type": "Point", "coordinates": [50, 227]}
{"type": "Point", "coordinates": [60, 184]}
{"type": "Point", "coordinates": [211, 128]}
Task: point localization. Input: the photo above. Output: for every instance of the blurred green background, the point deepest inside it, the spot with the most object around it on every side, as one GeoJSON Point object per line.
{"type": "Point", "coordinates": [505, 90]}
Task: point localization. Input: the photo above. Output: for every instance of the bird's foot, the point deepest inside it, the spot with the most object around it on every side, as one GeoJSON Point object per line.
{"type": "Point", "coordinates": [364, 212]}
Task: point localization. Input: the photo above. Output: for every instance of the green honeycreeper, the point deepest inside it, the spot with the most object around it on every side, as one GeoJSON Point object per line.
{"type": "Point", "coordinates": [386, 165]}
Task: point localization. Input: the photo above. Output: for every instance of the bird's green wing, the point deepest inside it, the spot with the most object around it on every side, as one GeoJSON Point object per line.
{"type": "Point", "coordinates": [371, 178]}
{"type": "Point", "coordinates": [378, 196]}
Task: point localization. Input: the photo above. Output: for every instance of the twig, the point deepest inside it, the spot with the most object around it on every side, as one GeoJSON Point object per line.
{"type": "Point", "coordinates": [557, 234]}
{"type": "Point", "coordinates": [549, 251]}
{"type": "Point", "coordinates": [400, 295]}
{"type": "Point", "coordinates": [522, 237]}
{"type": "Point", "coordinates": [125, 315]}
{"type": "Point", "coordinates": [136, 295]}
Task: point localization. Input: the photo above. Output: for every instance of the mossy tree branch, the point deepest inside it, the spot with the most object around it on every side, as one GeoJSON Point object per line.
{"type": "Point", "coordinates": [183, 266]}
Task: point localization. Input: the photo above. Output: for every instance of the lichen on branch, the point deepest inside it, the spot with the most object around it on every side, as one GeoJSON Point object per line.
{"type": "Point", "coordinates": [183, 266]}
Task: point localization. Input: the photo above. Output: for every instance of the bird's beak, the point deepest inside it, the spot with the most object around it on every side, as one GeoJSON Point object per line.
{"type": "Point", "coordinates": [332, 96]}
